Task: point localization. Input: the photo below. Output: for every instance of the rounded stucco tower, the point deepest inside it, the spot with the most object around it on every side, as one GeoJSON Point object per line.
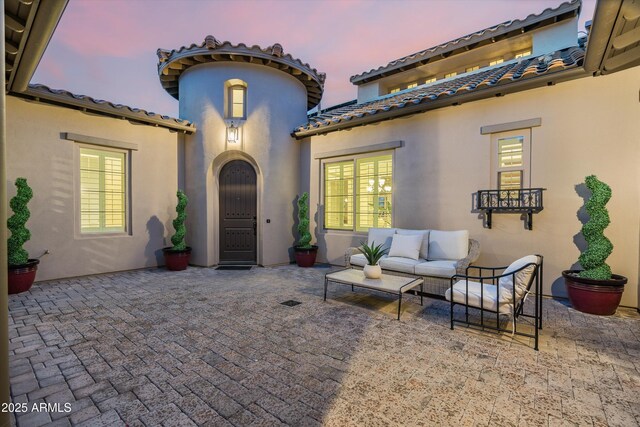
{"type": "Point", "coordinates": [241, 166]}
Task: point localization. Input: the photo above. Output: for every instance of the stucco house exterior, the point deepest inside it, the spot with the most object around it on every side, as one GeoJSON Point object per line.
{"type": "Point", "coordinates": [434, 126]}
{"type": "Point", "coordinates": [523, 104]}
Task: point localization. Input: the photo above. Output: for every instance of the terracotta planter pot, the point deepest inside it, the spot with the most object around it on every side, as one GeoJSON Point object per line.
{"type": "Point", "coordinates": [176, 260]}
{"type": "Point", "coordinates": [601, 297]}
{"type": "Point", "coordinates": [372, 271]}
{"type": "Point", "coordinates": [21, 277]}
{"type": "Point", "coordinates": [305, 257]}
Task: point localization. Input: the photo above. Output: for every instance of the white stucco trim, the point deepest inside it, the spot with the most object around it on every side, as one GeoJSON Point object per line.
{"type": "Point", "coordinates": [93, 140]}
{"type": "Point", "coordinates": [505, 127]}
{"type": "Point", "coordinates": [360, 150]}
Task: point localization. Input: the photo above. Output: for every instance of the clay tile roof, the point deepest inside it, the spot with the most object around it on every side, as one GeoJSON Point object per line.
{"type": "Point", "coordinates": [43, 93]}
{"type": "Point", "coordinates": [492, 81]}
{"type": "Point", "coordinates": [472, 41]}
{"type": "Point", "coordinates": [172, 63]}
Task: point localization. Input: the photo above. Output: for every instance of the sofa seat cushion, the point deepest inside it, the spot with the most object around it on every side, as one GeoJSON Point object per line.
{"type": "Point", "coordinates": [360, 260]}
{"type": "Point", "coordinates": [445, 245]}
{"type": "Point", "coordinates": [490, 296]}
{"type": "Point", "coordinates": [381, 236]}
{"type": "Point", "coordinates": [404, 265]}
{"type": "Point", "coordinates": [444, 268]}
{"type": "Point", "coordinates": [424, 248]}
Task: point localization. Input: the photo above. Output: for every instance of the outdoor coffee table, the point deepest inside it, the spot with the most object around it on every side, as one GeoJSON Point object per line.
{"type": "Point", "coordinates": [386, 283]}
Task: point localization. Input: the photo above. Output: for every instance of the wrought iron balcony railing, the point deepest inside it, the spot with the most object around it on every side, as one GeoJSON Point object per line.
{"type": "Point", "coordinates": [525, 201]}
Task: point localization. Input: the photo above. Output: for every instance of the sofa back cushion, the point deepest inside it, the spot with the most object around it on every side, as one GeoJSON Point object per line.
{"type": "Point", "coordinates": [424, 248]}
{"type": "Point", "coordinates": [406, 246]}
{"type": "Point", "coordinates": [451, 245]}
{"type": "Point", "coordinates": [381, 236]}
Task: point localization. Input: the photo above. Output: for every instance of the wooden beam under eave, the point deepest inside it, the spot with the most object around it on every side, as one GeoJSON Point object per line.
{"type": "Point", "coordinates": [621, 60]}
{"type": "Point", "coordinates": [13, 22]}
{"type": "Point", "coordinates": [627, 39]}
{"type": "Point", "coordinates": [10, 47]}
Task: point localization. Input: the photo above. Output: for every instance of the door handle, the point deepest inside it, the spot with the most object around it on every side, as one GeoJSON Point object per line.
{"type": "Point", "coordinates": [255, 226]}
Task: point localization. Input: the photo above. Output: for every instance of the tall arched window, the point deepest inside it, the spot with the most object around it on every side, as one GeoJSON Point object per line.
{"type": "Point", "coordinates": [236, 100]}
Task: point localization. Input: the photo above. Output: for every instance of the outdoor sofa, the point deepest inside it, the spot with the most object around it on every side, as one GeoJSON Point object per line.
{"type": "Point", "coordinates": [434, 255]}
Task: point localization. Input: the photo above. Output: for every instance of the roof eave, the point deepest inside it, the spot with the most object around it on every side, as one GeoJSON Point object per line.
{"type": "Point", "coordinates": [38, 34]}
{"type": "Point", "coordinates": [609, 49]}
{"type": "Point", "coordinates": [86, 105]}
{"type": "Point", "coordinates": [498, 90]}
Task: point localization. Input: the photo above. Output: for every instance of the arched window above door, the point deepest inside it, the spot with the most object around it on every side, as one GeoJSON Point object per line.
{"type": "Point", "coordinates": [236, 99]}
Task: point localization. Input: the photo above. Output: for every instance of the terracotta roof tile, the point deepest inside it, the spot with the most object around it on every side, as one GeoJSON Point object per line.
{"type": "Point", "coordinates": [517, 26]}
{"type": "Point", "coordinates": [498, 76]}
{"type": "Point", "coordinates": [63, 97]}
{"type": "Point", "coordinates": [172, 63]}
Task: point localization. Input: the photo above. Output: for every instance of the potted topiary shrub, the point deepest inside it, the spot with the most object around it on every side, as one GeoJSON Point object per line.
{"type": "Point", "coordinates": [594, 289]}
{"type": "Point", "coordinates": [177, 257]}
{"type": "Point", "coordinates": [304, 251]}
{"type": "Point", "coordinates": [22, 270]}
{"type": "Point", "coordinates": [373, 253]}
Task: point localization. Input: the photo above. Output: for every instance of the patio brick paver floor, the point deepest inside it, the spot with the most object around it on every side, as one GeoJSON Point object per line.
{"type": "Point", "coordinates": [207, 347]}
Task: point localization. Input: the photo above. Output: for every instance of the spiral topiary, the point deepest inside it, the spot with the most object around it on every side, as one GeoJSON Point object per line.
{"type": "Point", "coordinates": [598, 246]}
{"type": "Point", "coordinates": [16, 224]}
{"type": "Point", "coordinates": [303, 221]}
{"type": "Point", "coordinates": [178, 224]}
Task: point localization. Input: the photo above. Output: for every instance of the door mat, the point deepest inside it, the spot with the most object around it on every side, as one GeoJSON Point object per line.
{"type": "Point", "coordinates": [234, 267]}
{"type": "Point", "coordinates": [290, 303]}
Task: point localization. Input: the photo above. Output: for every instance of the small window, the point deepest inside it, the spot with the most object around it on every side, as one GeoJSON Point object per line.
{"type": "Point", "coordinates": [496, 62]}
{"type": "Point", "coordinates": [237, 100]}
{"type": "Point", "coordinates": [511, 159]}
{"type": "Point", "coordinates": [103, 191]}
{"type": "Point", "coordinates": [395, 90]}
{"type": "Point", "coordinates": [358, 193]}
{"type": "Point", "coordinates": [523, 54]}
{"type": "Point", "coordinates": [430, 80]}
{"type": "Point", "coordinates": [470, 69]}
{"type": "Point", "coordinates": [453, 74]}
{"type": "Point", "coordinates": [412, 85]}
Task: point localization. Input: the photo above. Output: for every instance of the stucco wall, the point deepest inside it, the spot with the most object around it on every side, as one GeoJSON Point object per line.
{"type": "Point", "coordinates": [276, 103]}
{"type": "Point", "coordinates": [589, 126]}
{"type": "Point", "coordinates": [37, 152]}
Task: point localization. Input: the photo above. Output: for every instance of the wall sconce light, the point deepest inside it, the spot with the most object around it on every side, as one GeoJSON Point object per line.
{"type": "Point", "coordinates": [233, 133]}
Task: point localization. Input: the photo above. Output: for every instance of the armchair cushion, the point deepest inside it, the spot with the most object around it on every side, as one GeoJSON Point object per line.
{"type": "Point", "coordinates": [404, 265]}
{"type": "Point", "coordinates": [522, 277]}
{"type": "Point", "coordinates": [444, 268]}
{"type": "Point", "coordinates": [406, 246]}
{"type": "Point", "coordinates": [381, 236]}
{"type": "Point", "coordinates": [424, 248]}
{"type": "Point", "coordinates": [448, 245]}
{"type": "Point", "coordinates": [489, 299]}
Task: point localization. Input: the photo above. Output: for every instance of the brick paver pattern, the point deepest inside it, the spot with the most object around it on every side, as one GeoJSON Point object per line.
{"type": "Point", "coordinates": [206, 347]}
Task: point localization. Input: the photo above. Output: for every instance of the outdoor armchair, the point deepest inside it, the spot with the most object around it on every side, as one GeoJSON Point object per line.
{"type": "Point", "coordinates": [497, 294]}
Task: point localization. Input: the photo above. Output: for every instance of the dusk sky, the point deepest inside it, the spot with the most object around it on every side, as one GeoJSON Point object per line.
{"type": "Point", "coordinates": [107, 48]}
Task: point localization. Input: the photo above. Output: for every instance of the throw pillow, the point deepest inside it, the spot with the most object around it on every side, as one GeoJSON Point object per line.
{"type": "Point", "coordinates": [406, 246]}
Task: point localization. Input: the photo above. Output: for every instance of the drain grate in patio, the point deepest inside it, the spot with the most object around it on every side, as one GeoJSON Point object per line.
{"type": "Point", "coordinates": [290, 303]}
{"type": "Point", "coordinates": [233, 267]}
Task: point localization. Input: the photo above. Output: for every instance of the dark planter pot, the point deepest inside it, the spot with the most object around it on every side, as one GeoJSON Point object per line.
{"type": "Point", "coordinates": [305, 257]}
{"type": "Point", "coordinates": [601, 297]}
{"type": "Point", "coordinates": [21, 277]}
{"type": "Point", "coordinates": [176, 260]}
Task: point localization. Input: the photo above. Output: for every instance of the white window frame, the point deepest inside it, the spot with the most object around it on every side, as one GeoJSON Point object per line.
{"type": "Point", "coordinates": [230, 103]}
{"type": "Point", "coordinates": [354, 158]}
{"type": "Point", "coordinates": [526, 157]}
{"type": "Point", "coordinates": [127, 186]}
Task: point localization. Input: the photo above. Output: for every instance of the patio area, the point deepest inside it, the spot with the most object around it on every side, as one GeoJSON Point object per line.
{"type": "Point", "coordinates": [207, 347]}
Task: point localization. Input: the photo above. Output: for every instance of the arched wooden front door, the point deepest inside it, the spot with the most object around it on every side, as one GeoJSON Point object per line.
{"type": "Point", "coordinates": [238, 219]}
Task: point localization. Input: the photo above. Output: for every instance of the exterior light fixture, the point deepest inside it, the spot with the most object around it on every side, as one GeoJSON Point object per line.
{"type": "Point", "coordinates": [233, 133]}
